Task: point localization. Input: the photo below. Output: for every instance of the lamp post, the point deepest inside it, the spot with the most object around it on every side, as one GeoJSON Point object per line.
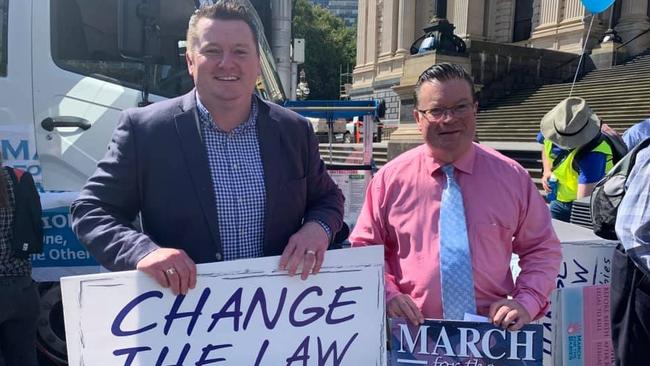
{"type": "Point", "coordinates": [440, 35]}
{"type": "Point", "coordinates": [611, 34]}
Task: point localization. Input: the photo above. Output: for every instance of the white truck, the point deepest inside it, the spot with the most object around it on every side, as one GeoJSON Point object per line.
{"type": "Point", "coordinates": [67, 69]}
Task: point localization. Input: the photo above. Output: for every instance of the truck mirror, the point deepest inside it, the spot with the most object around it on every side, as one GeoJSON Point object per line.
{"type": "Point", "coordinates": [137, 27]}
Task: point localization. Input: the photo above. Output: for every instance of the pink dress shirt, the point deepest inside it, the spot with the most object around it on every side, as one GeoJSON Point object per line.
{"type": "Point", "coordinates": [505, 213]}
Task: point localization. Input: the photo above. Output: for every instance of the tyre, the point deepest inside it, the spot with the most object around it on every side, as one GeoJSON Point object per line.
{"type": "Point", "coordinates": [347, 138]}
{"type": "Point", "coordinates": [51, 330]}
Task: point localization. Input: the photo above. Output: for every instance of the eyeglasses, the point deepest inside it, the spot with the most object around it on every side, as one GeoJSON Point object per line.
{"type": "Point", "coordinates": [436, 114]}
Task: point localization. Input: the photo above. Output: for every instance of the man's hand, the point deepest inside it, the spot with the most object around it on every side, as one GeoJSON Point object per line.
{"type": "Point", "coordinates": [170, 268]}
{"type": "Point", "coordinates": [307, 247]}
{"type": "Point", "coordinates": [545, 177]}
{"type": "Point", "coordinates": [509, 314]}
{"type": "Point", "coordinates": [402, 306]}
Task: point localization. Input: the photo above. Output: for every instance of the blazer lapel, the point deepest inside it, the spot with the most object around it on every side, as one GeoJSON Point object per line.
{"type": "Point", "coordinates": [197, 163]}
{"type": "Point", "coordinates": [270, 142]}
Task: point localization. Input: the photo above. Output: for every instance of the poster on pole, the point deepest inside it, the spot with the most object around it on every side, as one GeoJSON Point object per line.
{"type": "Point", "coordinates": [586, 261]}
{"type": "Point", "coordinates": [352, 180]}
{"type": "Point", "coordinates": [464, 343]}
{"type": "Point", "coordinates": [244, 312]}
{"type": "Point", "coordinates": [583, 333]}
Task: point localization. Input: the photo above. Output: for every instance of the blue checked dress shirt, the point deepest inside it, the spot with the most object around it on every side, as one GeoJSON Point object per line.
{"type": "Point", "coordinates": [238, 182]}
{"type": "Point", "coordinates": [457, 282]}
{"type": "Point", "coordinates": [633, 217]}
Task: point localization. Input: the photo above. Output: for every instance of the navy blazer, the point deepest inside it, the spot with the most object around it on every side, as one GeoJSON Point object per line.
{"type": "Point", "coordinates": [156, 164]}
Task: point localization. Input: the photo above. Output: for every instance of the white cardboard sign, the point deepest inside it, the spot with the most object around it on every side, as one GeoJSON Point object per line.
{"type": "Point", "coordinates": [243, 312]}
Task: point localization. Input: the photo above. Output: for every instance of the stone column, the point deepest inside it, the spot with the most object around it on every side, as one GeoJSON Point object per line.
{"type": "Point", "coordinates": [406, 26]}
{"type": "Point", "coordinates": [389, 29]}
{"type": "Point", "coordinates": [371, 33]}
{"type": "Point", "coordinates": [634, 20]}
{"type": "Point", "coordinates": [362, 19]}
{"type": "Point", "coordinates": [549, 13]}
{"type": "Point", "coordinates": [468, 17]}
{"type": "Point", "coordinates": [573, 9]}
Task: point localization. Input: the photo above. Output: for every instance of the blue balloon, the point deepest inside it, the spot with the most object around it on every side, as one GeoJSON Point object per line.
{"type": "Point", "coordinates": [597, 6]}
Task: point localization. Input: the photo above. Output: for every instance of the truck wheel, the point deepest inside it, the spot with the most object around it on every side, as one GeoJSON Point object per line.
{"type": "Point", "coordinates": [347, 138]}
{"type": "Point", "coordinates": [50, 338]}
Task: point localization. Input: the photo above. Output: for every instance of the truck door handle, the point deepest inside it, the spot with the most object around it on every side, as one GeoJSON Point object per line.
{"type": "Point", "coordinates": [50, 123]}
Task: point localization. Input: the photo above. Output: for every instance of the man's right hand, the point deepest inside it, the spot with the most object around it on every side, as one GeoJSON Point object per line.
{"type": "Point", "coordinates": [402, 306]}
{"type": "Point", "coordinates": [170, 268]}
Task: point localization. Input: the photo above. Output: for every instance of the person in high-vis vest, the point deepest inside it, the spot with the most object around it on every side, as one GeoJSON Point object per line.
{"type": "Point", "coordinates": [574, 153]}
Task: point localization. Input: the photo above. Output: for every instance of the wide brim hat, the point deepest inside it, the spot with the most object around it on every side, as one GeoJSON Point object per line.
{"type": "Point", "coordinates": [570, 124]}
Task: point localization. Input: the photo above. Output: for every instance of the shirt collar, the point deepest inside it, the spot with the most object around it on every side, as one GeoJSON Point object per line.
{"type": "Point", "coordinates": [206, 119]}
{"type": "Point", "coordinates": [465, 163]}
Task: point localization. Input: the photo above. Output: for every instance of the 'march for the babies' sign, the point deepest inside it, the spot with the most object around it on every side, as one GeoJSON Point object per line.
{"type": "Point", "coordinates": [240, 313]}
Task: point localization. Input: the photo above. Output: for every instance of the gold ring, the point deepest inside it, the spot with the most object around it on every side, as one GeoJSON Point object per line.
{"type": "Point", "coordinates": [170, 271]}
{"type": "Point", "coordinates": [310, 252]}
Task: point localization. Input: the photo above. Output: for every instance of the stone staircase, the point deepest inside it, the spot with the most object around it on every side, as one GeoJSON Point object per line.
{"type": "Point", "coordinates": [619, 95]}
{"type": "Point", "coordinates": [352, 154]}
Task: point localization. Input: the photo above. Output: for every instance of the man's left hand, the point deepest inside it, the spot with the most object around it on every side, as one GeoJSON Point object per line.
{"type": "Point", "coordinates": [509, 314]}
{"type": "Point", "coordinates": [307, 247]}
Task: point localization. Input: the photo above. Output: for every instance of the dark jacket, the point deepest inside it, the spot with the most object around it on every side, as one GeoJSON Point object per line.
{"type": "Point", "coordinates": [156, 164]}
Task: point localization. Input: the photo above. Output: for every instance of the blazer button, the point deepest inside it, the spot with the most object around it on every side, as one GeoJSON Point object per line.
{"type": "Point", "coordinates": [218, 256]}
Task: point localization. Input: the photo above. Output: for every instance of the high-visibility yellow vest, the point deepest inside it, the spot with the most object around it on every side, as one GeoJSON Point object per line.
{"type": "Point", "coordinates": [567, 177]}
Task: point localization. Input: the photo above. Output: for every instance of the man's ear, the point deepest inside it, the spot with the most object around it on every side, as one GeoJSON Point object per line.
{"type": "Point", "coordinates": [416, 117]}
{"type": "Point", "coordinates": [190, 61]}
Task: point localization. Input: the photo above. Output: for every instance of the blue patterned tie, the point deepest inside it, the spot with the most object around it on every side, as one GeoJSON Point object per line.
{"type": "Point", "coordinates": [456, 276]}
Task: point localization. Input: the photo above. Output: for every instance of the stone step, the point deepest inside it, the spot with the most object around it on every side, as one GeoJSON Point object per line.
{"type": "Point", "coordinates": [352, 153]}
{"type": "Point", "coordinates": [563, 91]}
{"type": "Point", "coordinates": [619, 95]}
{"type": "Point", "coordinates": [600, 108]}
{"type": "Point", "coordinates": [631, 102]}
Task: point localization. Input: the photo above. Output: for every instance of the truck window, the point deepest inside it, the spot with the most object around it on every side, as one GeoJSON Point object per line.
{"type": "Point", "coordinates": [84, 41]}
{"type": "Point", "coordinates": [4, 9]}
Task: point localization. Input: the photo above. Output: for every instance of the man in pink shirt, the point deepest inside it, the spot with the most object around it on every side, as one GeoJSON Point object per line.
{"type": "Point", "coordinates": [504, 214]}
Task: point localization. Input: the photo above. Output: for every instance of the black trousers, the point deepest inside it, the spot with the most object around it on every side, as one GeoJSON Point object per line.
{"type": "Point", "coordinates": [19, 307]}
{"type": "Point", "coordinates": [630, 311]}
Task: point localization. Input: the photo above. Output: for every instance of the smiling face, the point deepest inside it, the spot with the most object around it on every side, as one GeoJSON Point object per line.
{"type": "Point", "coordinates": [224, 62]}
{"type": "Point", "coordinates": [450, 135]}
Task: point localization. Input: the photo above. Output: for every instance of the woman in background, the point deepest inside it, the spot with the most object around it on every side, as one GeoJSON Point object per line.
{"type": "Point", "coordinates": [19, 301]}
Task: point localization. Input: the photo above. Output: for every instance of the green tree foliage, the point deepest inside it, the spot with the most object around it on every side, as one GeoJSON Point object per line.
{"type": "Point", "coordinates": [329, 43]}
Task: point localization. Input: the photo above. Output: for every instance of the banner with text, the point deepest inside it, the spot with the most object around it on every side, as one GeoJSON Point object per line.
{"type": "Point", "coordinates": [583, 333]}
{"type": "Point", "coordinates": [19, 148]}
{"type": "Point", "coordinates": [583, 264]}
{"type": "Point", "coordinates": [63, 254]}
{"type": "Point", "coordinates": [244, 312]}
{"type": "Point", "coordinates": [462, 343]}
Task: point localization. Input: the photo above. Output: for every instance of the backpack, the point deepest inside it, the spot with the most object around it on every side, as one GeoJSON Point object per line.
{"type": "Point", "coordinates": [619, 149]}
{"type": "Point", "coordinates": [608, 194]}
{"type": "Point", "coordinates": [28, 225]}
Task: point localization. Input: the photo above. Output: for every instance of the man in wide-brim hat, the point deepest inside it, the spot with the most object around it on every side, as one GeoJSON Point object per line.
{"type": "Point", "coordinates": [574, 153]}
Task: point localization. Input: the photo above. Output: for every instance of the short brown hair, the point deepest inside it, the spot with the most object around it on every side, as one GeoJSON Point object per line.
{"type": "Point", "coordinates": [444, 72]}
{"type": "Point", "coordinates": [222, 10]}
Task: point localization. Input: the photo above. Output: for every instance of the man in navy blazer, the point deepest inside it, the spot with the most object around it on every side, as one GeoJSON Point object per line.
{"type": "Point", "coordinates": [217, 174]}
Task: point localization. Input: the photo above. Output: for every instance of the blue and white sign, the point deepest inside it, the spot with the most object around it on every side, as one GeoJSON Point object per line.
{"type": "Point", "coordinates": [63, 254]}
{"type": "Point", "coordinates": [18, 148]}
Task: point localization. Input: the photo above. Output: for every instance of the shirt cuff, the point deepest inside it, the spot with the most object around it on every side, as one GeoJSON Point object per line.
{"type": "Point", "coordinates": [532, 306]}
{"type": "Point", "coordinates": [325, 227]}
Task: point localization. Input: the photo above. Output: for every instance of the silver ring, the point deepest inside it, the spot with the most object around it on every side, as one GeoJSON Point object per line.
{"type": "Point", "coordinates": [170, 271]}
{"type": "Point", "coordinates": [310, 252]}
